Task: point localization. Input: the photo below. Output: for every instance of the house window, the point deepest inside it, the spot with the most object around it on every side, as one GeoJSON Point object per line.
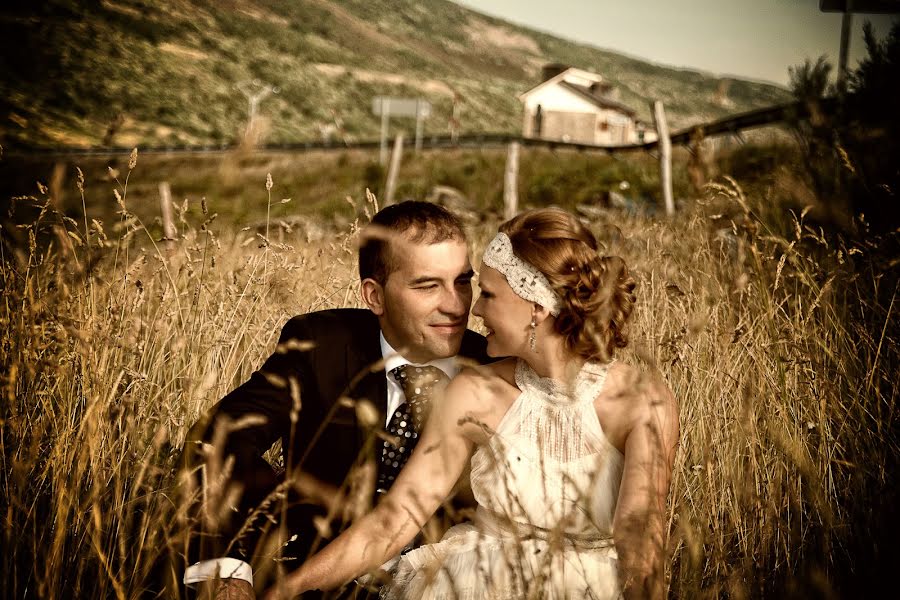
{"type": "Point", "coordinates": [602, 125]}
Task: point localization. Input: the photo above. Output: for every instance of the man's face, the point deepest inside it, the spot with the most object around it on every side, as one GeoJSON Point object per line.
{"type": "Point", "coordinates": [426, 300]}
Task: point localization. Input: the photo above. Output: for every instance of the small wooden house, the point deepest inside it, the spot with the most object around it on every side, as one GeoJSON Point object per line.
{"type": "Point", "coordinates": [572, 105]}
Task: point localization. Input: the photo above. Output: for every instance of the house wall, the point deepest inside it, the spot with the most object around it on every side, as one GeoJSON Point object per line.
{"type": "Point", "coordinates": [566, 116]}
{"type": "Point", "coordinates": [569, 126]}
{"type": "Point", "coordinates": [614, 127]}
{"type": "Point", "coordinates": [554, 97]}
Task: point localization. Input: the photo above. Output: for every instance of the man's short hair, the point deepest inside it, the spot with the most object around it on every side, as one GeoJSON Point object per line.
{"type": "Point", "coordinates": [419, 222]}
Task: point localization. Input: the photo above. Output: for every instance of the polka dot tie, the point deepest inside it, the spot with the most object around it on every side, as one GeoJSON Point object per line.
{"type": "Point", "coordinates": [419, 385]}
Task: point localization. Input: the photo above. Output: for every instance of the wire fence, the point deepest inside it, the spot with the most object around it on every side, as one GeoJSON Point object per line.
{"type": "Point", "coordinates": [791, 112]}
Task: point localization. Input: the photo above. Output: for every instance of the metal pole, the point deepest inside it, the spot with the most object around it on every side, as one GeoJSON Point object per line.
{"type": "Point", "coordinates": [418, 126]}
{"type": "Point", "coordinates": [454, 119]}
{"type": "Point", "coordinates": [846, 25]}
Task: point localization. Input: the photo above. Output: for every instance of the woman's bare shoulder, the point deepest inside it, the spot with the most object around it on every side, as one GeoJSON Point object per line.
{"type": "Point", "coordinates": [484, 377]}
{"type": "Point", "coordinates": [631, 397]}
{"type": "Point", "coordinates": [638, 386]}
{"type": "Point", "coordinates": [480, 396]}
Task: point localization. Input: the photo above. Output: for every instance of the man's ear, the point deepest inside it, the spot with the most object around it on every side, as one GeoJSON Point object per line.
{"type": "Point", "coordinates": [372, 294]}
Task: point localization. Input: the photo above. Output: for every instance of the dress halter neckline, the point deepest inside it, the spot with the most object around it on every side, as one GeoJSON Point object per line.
{"type": "Point", "coordinates": [583, 388]}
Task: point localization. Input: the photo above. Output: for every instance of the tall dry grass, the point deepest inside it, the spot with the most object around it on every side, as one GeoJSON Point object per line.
{"type": "Point", "coordinates": [780, 348]}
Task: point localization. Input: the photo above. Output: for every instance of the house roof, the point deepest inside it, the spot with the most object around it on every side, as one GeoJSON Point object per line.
{"type": "Point", "coordinates": [582, 91]}
{"type": "Point", "coordinates": [599, 100]}
{"type": "Point", "coordinates": [561, 76]}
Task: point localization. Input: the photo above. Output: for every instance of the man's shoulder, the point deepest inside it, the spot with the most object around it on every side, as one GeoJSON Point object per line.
{"type": "Point", "coordinates": [474, 346]}
{"type": "Point", "coordinates": [333, 322]}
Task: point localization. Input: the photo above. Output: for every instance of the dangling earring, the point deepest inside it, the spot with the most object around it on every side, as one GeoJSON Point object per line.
{"type": "Point", "coordinates": [532, 339]}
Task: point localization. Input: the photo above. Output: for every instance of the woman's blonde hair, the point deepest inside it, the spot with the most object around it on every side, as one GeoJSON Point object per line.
{"type": "Point", "coordinates": [597, 291]}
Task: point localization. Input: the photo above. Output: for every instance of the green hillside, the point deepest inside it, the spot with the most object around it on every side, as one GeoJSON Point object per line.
{"type": "Point", "coordinates": [142, 72]}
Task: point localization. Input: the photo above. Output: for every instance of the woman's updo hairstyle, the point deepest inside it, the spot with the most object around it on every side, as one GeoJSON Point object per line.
{"type": "Point", "coordinates": [597, 291]}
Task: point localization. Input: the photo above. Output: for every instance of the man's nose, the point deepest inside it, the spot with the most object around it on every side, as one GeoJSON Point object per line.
{"type": "Point", "coordinates": [456, 302]}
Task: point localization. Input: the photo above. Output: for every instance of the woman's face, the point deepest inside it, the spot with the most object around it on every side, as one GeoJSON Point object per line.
{"type": "Point", "coordinates": [506, 316]}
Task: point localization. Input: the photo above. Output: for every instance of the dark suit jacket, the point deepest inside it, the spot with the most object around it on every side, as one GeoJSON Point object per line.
{"type": "Point", "coordinates": [342, 361]}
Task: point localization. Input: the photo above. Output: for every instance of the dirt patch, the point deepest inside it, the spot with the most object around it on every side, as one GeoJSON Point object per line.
{"type": "Point", "coordinates": [124, 10]}
{"type": "Point", "coordinates": [431, 86]}
{"type": "Point", "coordinates": [330, 70]}
{"type": "Point", "coordinates": [262, 15]}
{"type": "Point", "coordinates": [484, 33]}
{"type": "Point", "coordinates": [64, 137]}
{"type": "Point", "coordinates": [183, 51]}
{"type": "Point", "coordinates": [356, 24]}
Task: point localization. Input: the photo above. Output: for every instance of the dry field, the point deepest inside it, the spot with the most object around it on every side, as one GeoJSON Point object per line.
{"type": "Point", "coordinates": [778, 340]}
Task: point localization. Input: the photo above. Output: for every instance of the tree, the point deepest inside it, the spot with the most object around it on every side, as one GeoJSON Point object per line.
{"type": "Point", "coordinates": [809, 81]}
{"type": "Point", "coordinates": [876, 82]}
{"type": "Point", "coordinates": [816, 135]}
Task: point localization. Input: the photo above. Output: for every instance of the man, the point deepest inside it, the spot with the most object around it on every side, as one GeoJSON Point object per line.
{"type": "Point", "coordinates": [332, 387]}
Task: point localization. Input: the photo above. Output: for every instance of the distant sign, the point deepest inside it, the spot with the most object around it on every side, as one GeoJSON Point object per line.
{"type": "Point", "coordinates": [401, 107]}
{"type": "Point", "coordinates": [870, 7]}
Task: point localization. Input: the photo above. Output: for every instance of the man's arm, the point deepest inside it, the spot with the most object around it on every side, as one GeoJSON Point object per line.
{"type": "Point", "coordinates": [224, 453]}
{"type": "Point", "coordinates": [425, 481]}
{"type": "Point", "coordinates": [639, 522]}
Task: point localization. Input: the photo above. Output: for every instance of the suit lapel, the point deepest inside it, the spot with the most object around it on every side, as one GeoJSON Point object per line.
{"type": "Point", "coordinates": [474, 347]}
{"type": "Point", "coordinates": [366, 375]}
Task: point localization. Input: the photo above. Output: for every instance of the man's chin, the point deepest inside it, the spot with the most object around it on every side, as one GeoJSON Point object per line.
{"type": "Point", "coordinates": [446, 347]}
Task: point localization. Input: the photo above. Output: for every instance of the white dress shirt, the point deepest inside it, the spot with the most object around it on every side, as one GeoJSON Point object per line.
{"type": "Point", "coordinates": [233, 568]}
{"type": "Point", "coordinates": [392, 360]}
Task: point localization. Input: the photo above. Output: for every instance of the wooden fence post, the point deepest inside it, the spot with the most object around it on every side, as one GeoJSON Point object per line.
{"type": "Point", "coordinates": [385, 115]}
{"type": "Point", "coordinates": [665, 155]}
{"type": "Point", "coordinates": [510, 192]}
{"type": "Point", "coordinates": [165, 205]}
{"type": "Point", "coordinates": [391, 185]}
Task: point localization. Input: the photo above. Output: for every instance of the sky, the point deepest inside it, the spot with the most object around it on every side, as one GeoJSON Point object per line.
{"type": "Point", "coordinates": [753, 39]}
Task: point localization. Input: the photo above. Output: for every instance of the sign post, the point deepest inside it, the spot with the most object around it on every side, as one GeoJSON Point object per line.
{"type": "Point", "coordinates": [420, 117]}
{"type": "Point", "coordinates": [413, 108]}
{"type": "Point", "coordinates": [848, 7]}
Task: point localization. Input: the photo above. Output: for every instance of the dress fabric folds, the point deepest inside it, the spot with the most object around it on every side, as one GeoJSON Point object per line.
{"type": "Point", "coordinates": [546, 485]}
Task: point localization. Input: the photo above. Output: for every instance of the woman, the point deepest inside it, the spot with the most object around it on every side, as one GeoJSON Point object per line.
{"type": "Point", "coordinates": [571, 452]}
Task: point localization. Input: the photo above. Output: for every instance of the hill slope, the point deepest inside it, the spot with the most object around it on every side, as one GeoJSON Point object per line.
{"type": "Point", "coordinates": [164, 71]}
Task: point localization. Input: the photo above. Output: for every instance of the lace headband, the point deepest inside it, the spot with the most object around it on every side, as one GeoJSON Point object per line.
{"type": "Point", "coordinates": [525, 280]}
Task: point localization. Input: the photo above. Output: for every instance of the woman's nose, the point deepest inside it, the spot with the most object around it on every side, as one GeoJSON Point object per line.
{"type": "Point", "coordinates": [476, 310]}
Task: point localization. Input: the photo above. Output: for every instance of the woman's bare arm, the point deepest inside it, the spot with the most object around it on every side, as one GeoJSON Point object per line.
{"type": "Point", "coordinates": [423, 484]}
{"type": "Point", "coordinates": [639, 522]}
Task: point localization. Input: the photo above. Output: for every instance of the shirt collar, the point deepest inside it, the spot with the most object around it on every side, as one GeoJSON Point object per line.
{"type": "Point", "coordinates": [392, 359]}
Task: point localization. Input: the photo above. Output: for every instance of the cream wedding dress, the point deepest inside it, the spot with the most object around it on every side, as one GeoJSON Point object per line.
{"type": "Point", "coordinates": [546, 485]}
